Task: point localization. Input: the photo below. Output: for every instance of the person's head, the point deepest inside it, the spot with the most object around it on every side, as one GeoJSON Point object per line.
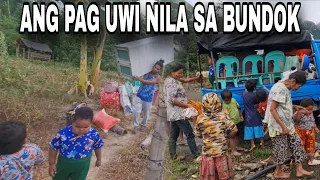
{"type": "Point", "coordinates": [296, 80]}
{"type": "Point", "coordinates": [308, 104]}
{"type": "Point", "coordinates": [158, 66]}
{"type": "Point", "coordinates": [226, 95]}
{"type": "Point", "coordinates": [211, 104]}
{"type": "Point", "coordinates": [82, 121]}
{"type": "Point", "coordinates": [261, 95]}
{"type": "Point", "coordinates": [177, 70]}
{"type": "Point", "coordinates": [13, 135]}
{"type": "Point", "coordinates": [210, 61]}
{"type": "Point", "coordinates": [251, 85]}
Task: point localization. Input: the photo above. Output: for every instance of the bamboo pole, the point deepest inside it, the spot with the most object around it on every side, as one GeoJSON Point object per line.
{"type": "Point", "coordinates": [199, 65]}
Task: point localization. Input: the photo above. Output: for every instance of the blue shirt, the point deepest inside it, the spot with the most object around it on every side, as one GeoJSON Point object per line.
{"type": "Point", "coordinates": [146, 91]}
{"type": "Point", "coordinates": [72, 146]}
{"type": "Point", "coordinates": [252, 116]}
{"type": "Point", "coordinates": [211, 70]}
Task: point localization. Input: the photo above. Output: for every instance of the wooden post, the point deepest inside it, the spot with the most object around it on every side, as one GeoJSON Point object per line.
{"type": "Point", "coordinates": [155, 162]}
{"type": "Point", "coordinates": [23, 53]}
{"type": "Point", "coordinates": [199, 65]}
{"type": "Point", "coordinates": [214, 69]}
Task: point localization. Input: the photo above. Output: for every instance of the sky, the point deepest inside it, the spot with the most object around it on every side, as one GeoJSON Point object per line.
{"type": "Point", "coordinates": [309, 10]}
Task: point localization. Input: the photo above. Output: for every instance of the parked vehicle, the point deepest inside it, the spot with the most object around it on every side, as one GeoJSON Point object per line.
{"type": "Point", "coordinates": [280, 53]}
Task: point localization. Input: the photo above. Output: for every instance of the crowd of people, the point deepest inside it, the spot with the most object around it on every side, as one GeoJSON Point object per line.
{"type": "Point", "coordinates": [291, 128]}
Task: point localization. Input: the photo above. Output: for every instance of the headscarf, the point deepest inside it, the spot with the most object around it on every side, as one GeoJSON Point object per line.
{"type": "Point", "coordinates": [211, 104]}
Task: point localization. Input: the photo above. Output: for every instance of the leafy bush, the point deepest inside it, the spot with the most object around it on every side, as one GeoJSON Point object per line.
{"type": "Point", "coordinates": [3, 45]}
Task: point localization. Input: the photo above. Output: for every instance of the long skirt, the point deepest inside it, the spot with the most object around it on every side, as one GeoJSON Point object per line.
{"type": "Point", "coordinates": [72, 169]}
{"type": "Point", "coordinates": [216, 168]}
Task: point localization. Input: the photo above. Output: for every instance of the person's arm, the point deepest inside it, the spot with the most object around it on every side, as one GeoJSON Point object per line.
{"type": "Point", "coordinates": [180, 104]}
{"type": "Point", "coordinates": [197, 129]}
{"type": "Point", "coordinates": [98, 153]}
{"type": "Point", "coordinates": [241, 116]}
{"type": "Point", "coordinates": [97, 146]}
{"type": "Point", "coordinates": [231, 127]}
{"type": "Point", "coordinates": [274, 113]}
{"type": "Point", "coordinates": [40, 157]}
{"type": "Point", "coordinates": [186, 80]}
{"type": "Point", "coordinates": [153, 81]}
{"type": "Point", "coordinates": [171, 91]}
{"type": "Point", "coordinates": [52, 161]}
{"type": "Point", "coordinates": [297, 115]}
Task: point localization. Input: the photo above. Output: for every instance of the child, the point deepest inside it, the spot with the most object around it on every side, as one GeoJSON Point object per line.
{"type": "Point", "coordinates": [253, 124]}
{"type": "Point", "coordinates": [17, 158]}
{"type": "Point", "coordinates": [262, 98]}
{"type": "Point", "coordinates": [75, 144]}
{"type": "Point", "coordinates": [213, 126]}
{"type": "Point", "coordinates": [306, 128]}
{"type": "Point", "coordinates": [231, 106]}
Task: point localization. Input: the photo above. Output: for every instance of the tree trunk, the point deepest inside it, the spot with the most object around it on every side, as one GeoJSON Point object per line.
{"type": "Point", "coordinates": [95, 69]}
{"type": "Point", "coordinates": [158, 143]}
{"type": "Point", "coordinates": [83, 65]}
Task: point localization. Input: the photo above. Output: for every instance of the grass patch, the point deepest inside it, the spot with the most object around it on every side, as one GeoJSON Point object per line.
{"type": "Point", "coordinates": [262, 153]}
{"type": "Point", "coordinates": [175, 169]}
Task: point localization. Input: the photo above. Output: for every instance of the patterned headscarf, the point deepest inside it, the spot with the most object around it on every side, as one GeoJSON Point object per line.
{"type": "Point", "coordinates": [211, 104]}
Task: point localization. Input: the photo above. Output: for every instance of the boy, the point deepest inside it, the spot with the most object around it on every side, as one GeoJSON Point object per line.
{"type": "Point", "coordinates": [231, 106]}
{"type": "Point", "coordinates": [17, 158]}
{"type": "Point", "coordinates": [253, 125]}
{"type": "Point", "coordinates": [75, 144]}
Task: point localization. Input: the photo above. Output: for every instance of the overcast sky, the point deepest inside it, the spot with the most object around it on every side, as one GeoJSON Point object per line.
{"type": "Point", "coordinates": [310, 9]}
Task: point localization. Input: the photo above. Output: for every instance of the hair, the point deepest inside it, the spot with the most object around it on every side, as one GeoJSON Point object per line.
{"type": "Point", "coordinates": [299, 76]}
{"type": "Point", "coordinates": [176, 67]}
{"type": "Point", "coordinates": [250, 85]}
{"type": "Point", "coordinates": [261, 95]}
{"type": "Point", "coordinates": [160, 63]}
{"type": "Point", "coordinates": [226, 94]}
{"type": "Point", "coordinates": [83, 113]}
{"type": "Point", "coordinates": [306, 102]}
{"type": "Point", "coordinates": [12, 137]}
{"type": "Point", "coordinates": [293, 68]}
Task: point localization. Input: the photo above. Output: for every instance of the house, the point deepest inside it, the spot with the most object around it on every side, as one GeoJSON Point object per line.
{"type": "Point", "coordinates": [31, 50]}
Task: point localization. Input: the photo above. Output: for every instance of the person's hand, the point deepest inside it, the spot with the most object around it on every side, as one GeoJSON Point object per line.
{"type": "Point", "coordinates": [317, 131]}
{"type": "Point", "coordinates": [303, 111]}
{"type": "Point", "coordinates": [298, 107]}
{"type": "Point", "coordinates": [285, 130]}
{"type": "Point", "coordinates": [98, 163]}
{"type": "Point", "coordinates": [52, 170]}
{"type": "Point", "coordinates": [241, 119]}
{"type": "Point", "coordinates": [189, 106]}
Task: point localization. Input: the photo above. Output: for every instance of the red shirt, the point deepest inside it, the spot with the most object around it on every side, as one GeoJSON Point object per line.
{"type": "Point", "coordinates": [262, 107]}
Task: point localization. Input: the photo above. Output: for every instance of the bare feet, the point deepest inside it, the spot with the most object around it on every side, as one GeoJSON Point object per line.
{"type": "Point", "coordinates": [262, 145]}
{"type": "Point", "coordinates": [281, 175]}
{"type": "Point", "coordinates": [301, 173]}
{"type": "Point", "coordinates": [252, 148]}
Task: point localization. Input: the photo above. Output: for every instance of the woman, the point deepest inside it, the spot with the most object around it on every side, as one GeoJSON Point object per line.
{"type": "Point", "coordinates": [279, 115]}
{"type": "Point", "coordinates": [212, 127]}
{"type": "Point", "coordinates": [176, 101]}
{"type": "Point", "coordinates": [145, 96]}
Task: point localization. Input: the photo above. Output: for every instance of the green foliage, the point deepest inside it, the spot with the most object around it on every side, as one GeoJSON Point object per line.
{"type": "Point", "coordinates": [262, 153]}
{"type": "Point", "coordinates": [3, 45]}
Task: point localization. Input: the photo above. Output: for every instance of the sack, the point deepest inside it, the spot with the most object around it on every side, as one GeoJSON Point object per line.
{"type": "Point", "coordinates": [111, 86]}
{"type": "Point", "coordinates": [104, 121]}
{"type": "Point", "coordinates": [125, 101]}
{"type": "Point", "coordinates": [196, 105]}
{"type": "Point", "coordinates": [110, 100]}
{"type": "Point", "coordinates": [190, 112]}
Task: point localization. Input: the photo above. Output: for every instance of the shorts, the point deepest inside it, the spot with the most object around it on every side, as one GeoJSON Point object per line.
{"type": "Point", "coordinates": [253, 132]}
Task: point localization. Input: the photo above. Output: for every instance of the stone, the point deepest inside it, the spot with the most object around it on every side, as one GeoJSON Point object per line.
{"type": "Point", "coordinates": [252, 166]}
{"type": "Point", "coordinates": [237, 177]}
{"type": "Point", "coordinates": [238, 168]}
{"type": "Point", "coordinates": [270, 176]}
{"type": "Point", "coordinates": [246, 172]}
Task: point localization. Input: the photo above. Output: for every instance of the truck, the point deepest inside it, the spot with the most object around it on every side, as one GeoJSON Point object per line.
{"type": "Point", "coordinates": [241, 45]}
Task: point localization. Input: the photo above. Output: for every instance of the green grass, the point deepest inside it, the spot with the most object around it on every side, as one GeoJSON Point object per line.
{"type": "Point", "coordinates": [175, 169]}
{"type": "Point", "coordinates": [262, 153]}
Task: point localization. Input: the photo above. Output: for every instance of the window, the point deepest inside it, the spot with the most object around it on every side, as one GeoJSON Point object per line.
{"type": "Point", "coordinates": [125, 70]}
{"type": "Point", "coordinates": [123, 55]}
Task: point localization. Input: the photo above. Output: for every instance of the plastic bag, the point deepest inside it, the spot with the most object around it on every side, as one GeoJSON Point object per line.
{"type": "Point", "coordinates": [125, 101]}
{"type": "Point", "coordinates": [196, 105]}
{"type": "Point", "coordinates": [111, 86]}
{"type": "Point", "coordinates": [190, 112]}
{"type": "Point", "coordinates": [129, 88]}
{"type": "Point", "coordinates": [104, 121]}
{"type": "Point", "coordinates": [110, 100]}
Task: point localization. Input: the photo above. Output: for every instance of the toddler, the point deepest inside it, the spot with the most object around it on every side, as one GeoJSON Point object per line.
{"type": "Point", "coordinates": [231, 106]}
{"type": "Point", "coordinates": [75, 144]}
{"type": "Point", "coordinates": [306, 128]}
{"type": "Point", "coordinates": [17, 157]}
{"type": "Point", "coordinates": [262, 98]}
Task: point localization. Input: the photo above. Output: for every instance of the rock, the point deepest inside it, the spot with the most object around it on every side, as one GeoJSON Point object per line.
{"type": "Point", "coordinates": [237, 177]}
{"type": "Point", "coordinates": [194, 176]}
{"type": "Point", "coordinates": [238, 168]}
{"type": "Point", "coordinates": [252, 166]}
{"type": "Point", "coordinates": [260, 169]}
{"type": "Point", "coordinates": [270, 176]}
{"type": "Point", "coordinates": [246, 172]}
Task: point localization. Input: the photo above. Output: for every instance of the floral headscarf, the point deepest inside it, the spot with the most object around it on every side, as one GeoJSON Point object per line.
{"type": "Point", "coordinates": [211, 104]}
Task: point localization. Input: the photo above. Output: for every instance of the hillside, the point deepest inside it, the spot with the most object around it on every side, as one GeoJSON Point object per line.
{"type": "Point", "coordinates": [35, 93]}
